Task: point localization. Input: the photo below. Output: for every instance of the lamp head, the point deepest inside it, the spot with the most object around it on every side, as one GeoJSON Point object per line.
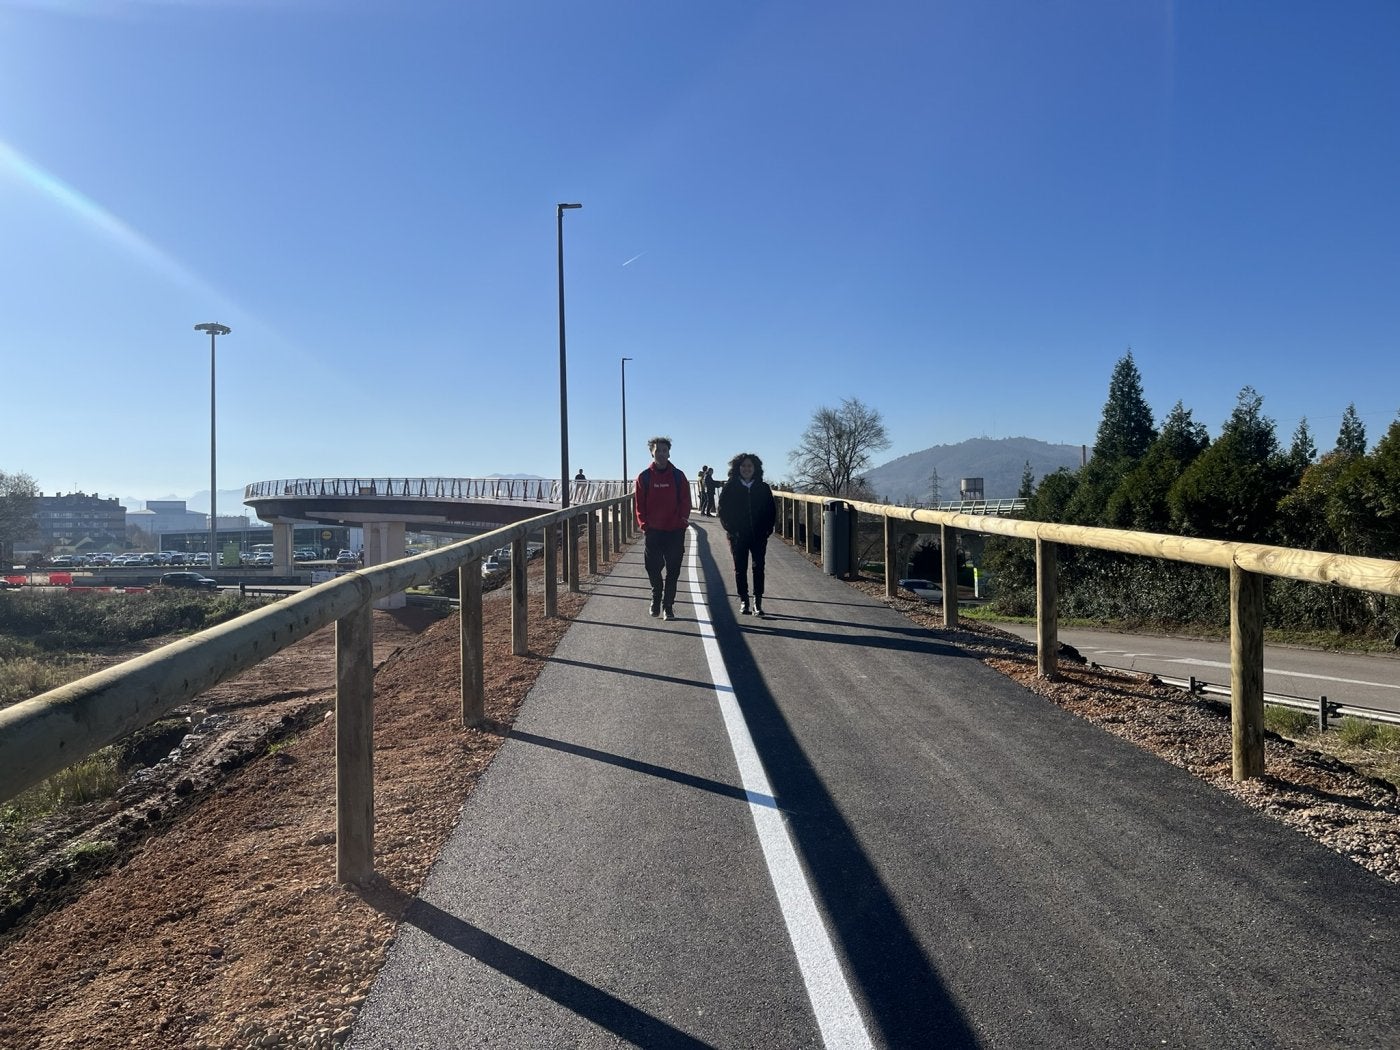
{"type": "Point", "coordinates": [213, 328]}
{"type": "Point", "coordinates": [563, 206]}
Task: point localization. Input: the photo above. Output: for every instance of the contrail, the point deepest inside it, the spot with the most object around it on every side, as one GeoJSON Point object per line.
{"type": "Point", "coordinates": [634, 258]}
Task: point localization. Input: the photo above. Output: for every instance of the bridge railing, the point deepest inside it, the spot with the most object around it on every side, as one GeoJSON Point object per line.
{"type": "Point", "coordinates": [1247, 563]}
{"type": "Point", "coordinates": [47, 733]}
{"type": "Point", "coordinates": [495, 490]}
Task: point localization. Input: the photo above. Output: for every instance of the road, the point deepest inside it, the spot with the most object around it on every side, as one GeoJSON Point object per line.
{"type": "Point", "coordinates": [1361, 679]}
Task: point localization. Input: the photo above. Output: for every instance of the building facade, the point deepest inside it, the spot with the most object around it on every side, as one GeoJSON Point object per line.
{"type": "Point", "coordinates": [78, 520]}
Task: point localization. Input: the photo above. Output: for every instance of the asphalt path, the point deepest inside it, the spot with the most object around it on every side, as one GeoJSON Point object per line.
{"type": "Point", "coordinates": [1361, 679]}
{"type": "Point", "coordinates": [830, 827]}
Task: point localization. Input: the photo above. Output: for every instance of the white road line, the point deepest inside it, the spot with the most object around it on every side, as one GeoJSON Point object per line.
{"type": "Point", "coordinates": [837, 1015]}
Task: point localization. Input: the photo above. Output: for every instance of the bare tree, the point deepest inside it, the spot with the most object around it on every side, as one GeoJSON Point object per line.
{"type": "Point", "coordinates": [836, 447]}
{"type": "Point", "coordinates": [18, 497]}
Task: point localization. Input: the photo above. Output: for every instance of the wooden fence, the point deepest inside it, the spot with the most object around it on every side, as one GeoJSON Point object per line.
{"type": "Point", "coordinates": [1247, 563]}
{"type": "Point", "coordinates": [42, 735]}
{"type": "Point", "coordinates": [49, 732]}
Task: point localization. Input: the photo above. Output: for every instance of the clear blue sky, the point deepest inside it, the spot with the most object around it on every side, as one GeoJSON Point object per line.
{"type": "Point", "coordinates": [961, 213]}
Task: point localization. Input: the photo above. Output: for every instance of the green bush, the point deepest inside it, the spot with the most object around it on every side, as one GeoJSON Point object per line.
{"type": "Point", "coordinates": [62, 621]}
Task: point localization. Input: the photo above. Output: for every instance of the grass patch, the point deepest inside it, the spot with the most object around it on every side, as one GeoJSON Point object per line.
{"type": "Point", "coordinates": [1288, 721]}
{"type": "Point", "coordinates": [1371, 748]}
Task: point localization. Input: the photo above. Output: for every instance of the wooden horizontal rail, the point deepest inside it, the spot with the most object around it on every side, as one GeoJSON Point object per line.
{"type": "Point", "coordinates": [1247, 563]}
{"type": "Point", "coordinates": [47, 733]}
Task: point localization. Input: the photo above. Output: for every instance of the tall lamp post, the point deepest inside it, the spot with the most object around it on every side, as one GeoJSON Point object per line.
{"type": "Point", "coordinates": [215, 330]}
{"type": "Point", "coordinates": [625, 475]}
{"type": "Point", "coordinates": [563, 370]}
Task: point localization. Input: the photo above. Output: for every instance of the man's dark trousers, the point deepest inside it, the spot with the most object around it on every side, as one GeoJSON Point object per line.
{"type": "Point", "coordinates": [664, 549]}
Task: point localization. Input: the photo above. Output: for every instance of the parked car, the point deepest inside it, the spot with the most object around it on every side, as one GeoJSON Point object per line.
{"type": "Point", "coordinates": [262, 558]}
{"type": "Point", "coordinates": [188, 579]}
{"type": "Point", "coordinates": [346, 560]}
{"type": "Point", "coordinates": [490, 565]}
{"type": "Point", "coordinates": [924, 590]}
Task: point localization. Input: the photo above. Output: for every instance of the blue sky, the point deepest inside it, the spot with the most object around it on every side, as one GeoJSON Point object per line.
{"type": "Point", "coordinates": [962, 214]}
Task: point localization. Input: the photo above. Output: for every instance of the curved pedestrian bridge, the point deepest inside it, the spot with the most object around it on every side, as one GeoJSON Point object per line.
{"type": "Point", "coordinates": [387, 508]}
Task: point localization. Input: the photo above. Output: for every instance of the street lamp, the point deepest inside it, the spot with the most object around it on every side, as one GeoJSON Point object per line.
{"type": "Point", "coordinates": [563, 371]}
{"type": "Point", "coordinates": [625, 475]}
{"type": "Point", "coordinates": [215, 330]}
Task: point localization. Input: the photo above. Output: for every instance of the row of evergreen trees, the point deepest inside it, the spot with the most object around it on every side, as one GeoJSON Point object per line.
{"type": "Point", "coordinates": [1243, 486]}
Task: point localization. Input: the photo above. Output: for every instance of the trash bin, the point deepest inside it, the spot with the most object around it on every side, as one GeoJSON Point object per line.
{"type": "Point", "coordinates": [836, 538]}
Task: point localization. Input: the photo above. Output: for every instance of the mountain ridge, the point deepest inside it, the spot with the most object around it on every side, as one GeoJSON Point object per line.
{"type": "Point", "coordinates": [999, 462]}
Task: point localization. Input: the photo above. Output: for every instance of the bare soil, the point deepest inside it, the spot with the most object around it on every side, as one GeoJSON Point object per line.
{"type": "Point", "coordinates": [221, 924]}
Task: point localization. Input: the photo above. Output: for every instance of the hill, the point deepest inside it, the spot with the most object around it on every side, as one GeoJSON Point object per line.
{"type": "Point", "coordinates": [998, 461]}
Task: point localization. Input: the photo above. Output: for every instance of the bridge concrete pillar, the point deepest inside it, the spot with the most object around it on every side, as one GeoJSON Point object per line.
{"type": "Point", "coordinates": [282, 547]}
{"type": "Point", "coordinates": [384, 542]}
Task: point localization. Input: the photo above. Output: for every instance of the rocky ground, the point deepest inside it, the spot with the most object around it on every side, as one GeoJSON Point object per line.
{"type": "Point", "coordinates": [212, 918]}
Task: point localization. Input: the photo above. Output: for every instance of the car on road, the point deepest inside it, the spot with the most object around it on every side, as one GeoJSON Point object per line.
{"type": "Point", "coordinates": [924, 590]}
{"type": "Point", "coordinates": [195, 580]}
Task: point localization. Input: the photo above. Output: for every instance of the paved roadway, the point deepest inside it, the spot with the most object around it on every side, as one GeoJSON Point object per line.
{"type": "Point", "coordinates": [927, 855]}
{"type": "Point", "coordinates": [1362, 679]}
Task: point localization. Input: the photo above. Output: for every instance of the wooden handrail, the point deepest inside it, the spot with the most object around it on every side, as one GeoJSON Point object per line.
{"type": "Point", "coordinates": [47, 733]}
{"type": "Point", "coordinates": [1247, 564]}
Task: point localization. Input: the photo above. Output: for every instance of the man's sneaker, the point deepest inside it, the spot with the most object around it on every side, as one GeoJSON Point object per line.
{"type": "Point", "coordinates": [656, 606]}
{"type": "Point", "coordinates": [667, 614]}
{"type": "Point", "coordinates": [744, 609]}
{"type": "Point", "coordinates": [758, 606]}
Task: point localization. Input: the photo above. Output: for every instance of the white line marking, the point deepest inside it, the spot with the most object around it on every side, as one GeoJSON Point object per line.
{"type": "Point", "coordinates": [837, 1015]}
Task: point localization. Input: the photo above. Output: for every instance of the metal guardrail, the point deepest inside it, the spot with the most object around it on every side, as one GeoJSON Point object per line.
{"type": "Point", "coordinates": [1325, 709]}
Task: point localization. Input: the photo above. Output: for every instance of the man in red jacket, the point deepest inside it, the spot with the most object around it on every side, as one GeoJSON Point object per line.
{"type": "Point", "coordinates": [662, 501]}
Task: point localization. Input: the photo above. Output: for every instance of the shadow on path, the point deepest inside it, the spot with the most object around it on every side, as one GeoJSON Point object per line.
{"type": "Point", "coordinates": [905, 998]}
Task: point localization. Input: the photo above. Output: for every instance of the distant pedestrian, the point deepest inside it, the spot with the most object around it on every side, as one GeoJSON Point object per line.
{"type": "Point", "coordinates": [580, 486]}
{"type": "Point", "coordinates": [707, 492]}
{"type": "Point", "coordinates": [748, 513]}
{"type": "Point", "coordinates": [662, 500]}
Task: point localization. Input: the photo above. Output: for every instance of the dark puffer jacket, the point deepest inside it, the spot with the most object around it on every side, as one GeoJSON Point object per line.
{"type": "Point", "coordinates": [747, 512]}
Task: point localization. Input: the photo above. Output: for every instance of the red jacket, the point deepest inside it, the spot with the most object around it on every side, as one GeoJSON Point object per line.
{"type": "Point", "coordinates": [662, 499]}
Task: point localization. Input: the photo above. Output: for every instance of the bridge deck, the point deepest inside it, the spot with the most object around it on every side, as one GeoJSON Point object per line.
{"type": "Point", "coordinates": [938, 858]}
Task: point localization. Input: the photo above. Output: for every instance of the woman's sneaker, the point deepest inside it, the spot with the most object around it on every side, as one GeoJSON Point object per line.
{"type": "Point", "coordinates": [744, 609]}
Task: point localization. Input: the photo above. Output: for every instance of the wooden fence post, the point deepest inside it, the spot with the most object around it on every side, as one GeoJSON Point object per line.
{"type": "Point", "coordinates": [551, 570]}
{"type": "Point", "coordinates": [571, 556]}
{"type": "Point", "coordinates": [472, 647]}
{"type": "Point", "coordinates": [592, 543]}
{"type": "Point", "coordinates": [1246, 673]}
{"type": "Point", "coordinates": [891, 572]}
{"type": "Point", "coordinates": [1047, 600]}
{"type": "Point", "coordinates": [354, 746]}
{"type": "Point", "coordinates": [948, 538]}
{"type": "Point", "coordinates": [519, 598]}
{"type": "Point", "coordinates": [806, 523]}
{"type": "Point", "coordinates": [605, 512]}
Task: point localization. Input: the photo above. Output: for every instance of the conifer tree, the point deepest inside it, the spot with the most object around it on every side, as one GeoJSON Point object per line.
{"type": "Point", "coordinates": [1125, 430]}
{"type": "Point", "coordinates": [1351, 440]}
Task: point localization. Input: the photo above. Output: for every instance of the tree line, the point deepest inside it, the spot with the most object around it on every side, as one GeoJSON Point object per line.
{"type": "Point", "coordinates": [1244, 486]}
